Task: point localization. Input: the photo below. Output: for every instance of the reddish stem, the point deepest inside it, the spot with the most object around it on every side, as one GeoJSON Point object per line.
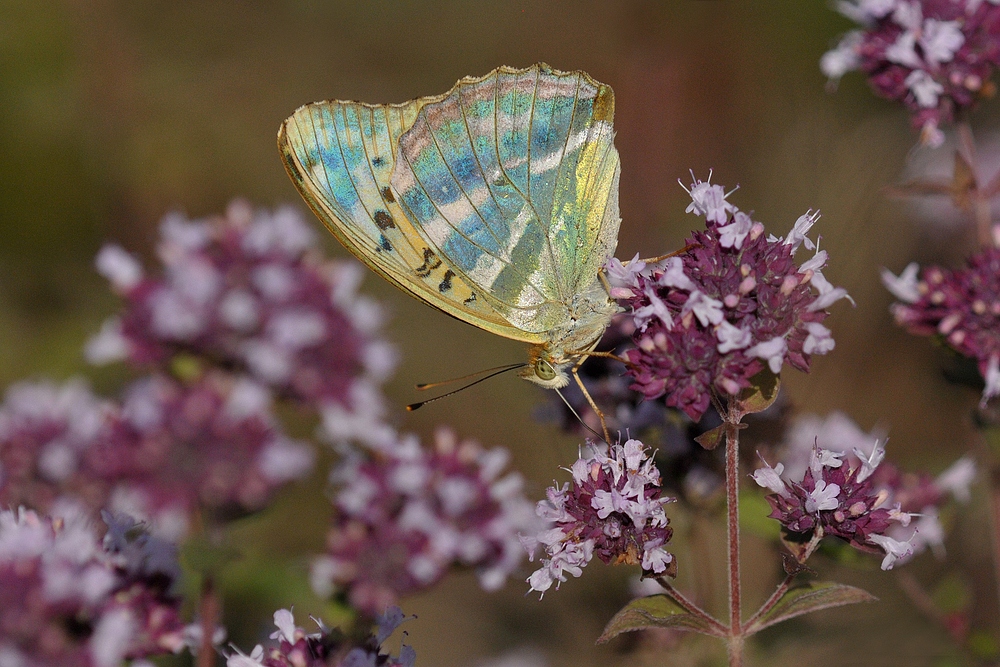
{"type": "Point", "coordinates": [982, 214]}
{"type": "Point", "coordinates": [733, 516]}
{"type": "Point", "coordinates": [209, 608]}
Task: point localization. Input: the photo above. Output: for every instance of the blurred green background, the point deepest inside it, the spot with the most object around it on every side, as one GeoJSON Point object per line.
{"type": "Point", "coordinates": [114, 113]}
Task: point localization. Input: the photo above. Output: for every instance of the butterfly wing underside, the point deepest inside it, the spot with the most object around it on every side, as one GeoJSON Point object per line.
{"type": "Point", "coordinates": [513, 179]}
{"type": "Point", "coordinates": [340, 156]}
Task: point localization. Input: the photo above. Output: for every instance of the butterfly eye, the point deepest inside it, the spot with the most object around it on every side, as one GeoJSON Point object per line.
{"type": "Point", "coordinates": [544, 370]}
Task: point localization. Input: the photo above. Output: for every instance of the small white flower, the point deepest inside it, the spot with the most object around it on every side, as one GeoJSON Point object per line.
{"type": "Point", "coordinates": [705, 308]}
{"type": "Point", "coordinates": [674, 276]}
{"type": "Point", "coordinates": [770, 478]}
{"type": "Point", "coordinates": [802, 225]}
{"type": "Point", "coordinates": [940, 40]}
{"type": "Point", "coordinates": [924, 88]}
{"type": "Point", "coordinates": [731, 337]}
{"type": "Point", "coordinates": [869, 463]}
{"type": "Point", "coordinates": [823, 497]}
{"type": "Point", "coordinates": [957, 478]}
{"type": "Point", "coordinates": [992, 379]}
{"type": "Point", "coordinates": [709, 200]}
{"type": "Point", "coordinates": [903, 51]}
{"type": "Point", "coordinates": [905, 286]}
{"type": "Point", "coordinates": [118, 266]}
{"type": "Point", "coordinates": [773, 351]}
{"type": "Point", "coordinates": [733, 234]}
{"type": "Point", "coordinates": [819, 340]}
{"type": "Point", "coordinates": [844, 57]}
{"type": "Point", "coordinates": [894, 549]}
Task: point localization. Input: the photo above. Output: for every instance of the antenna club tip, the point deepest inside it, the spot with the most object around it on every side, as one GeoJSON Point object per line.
{"type": "Point", "coordinates": [413, 406]}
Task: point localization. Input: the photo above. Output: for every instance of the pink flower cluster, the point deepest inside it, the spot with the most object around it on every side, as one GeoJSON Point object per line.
{"type": "Point", "coordinates": [166, 450]}
{"type": "Point", "coordinates": [46, 432]}
{"type": "Point", "coordinates": [210, 444]}
{"type": "Point", "coordinates": [248, 292]}
{"type": "Point", "coordinates": [934, 56]}
{"type": "Point", "coordinates": [612, 509]}
{"type": "Point", "coordinates": [733, 303]}
{"type": "Point", "coordinates": [67, 600]}
{"type": "Point", "coordinates": [918, 494]}
{"type": "Point", "coordinates": [961, 306]}
{"type": "Point", "coordinates": [836, 496]}
{"type": "Point", "coordinates": [405, 515]}
{"type": "Point", "coordinates": [294, 647]}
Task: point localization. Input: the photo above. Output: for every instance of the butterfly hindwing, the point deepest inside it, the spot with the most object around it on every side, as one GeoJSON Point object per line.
{"type": "Point", "coordinates": [341, 156]}
{"type": "Point", "coordinates": [512, 178]}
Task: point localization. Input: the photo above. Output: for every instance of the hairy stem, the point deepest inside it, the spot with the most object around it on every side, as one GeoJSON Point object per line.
{"type": "Point", "coordinates": [692, 608]}
{"type": "Point", "coordinates": [733, 520]}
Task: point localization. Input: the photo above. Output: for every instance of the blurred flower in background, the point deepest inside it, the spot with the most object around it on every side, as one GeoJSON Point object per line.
{"type": "Point", "coordinates": [406, 514]}
{"type": "Point", "coordinates": [66, 599]}
{"type": "Point", "coordinates": [960, 306]}
{"type": "Point", "coordinates": [833, 480]}
{"type": "Point", "coordinates": [291, 646]}
{"type": "Point", "coordinates": [934, 56]}
{"type": "Point", "coordinates": [249, 292]}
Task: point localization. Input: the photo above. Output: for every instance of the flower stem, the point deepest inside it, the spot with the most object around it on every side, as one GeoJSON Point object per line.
{"type": "Point", "coordinates": [719, 630]}
{"type": "Point", "coordinates": [208, 610]}
{"type": "Point", "coordinates": [980, 198]}
{"type": "Point", "coordinates": [733, 517]}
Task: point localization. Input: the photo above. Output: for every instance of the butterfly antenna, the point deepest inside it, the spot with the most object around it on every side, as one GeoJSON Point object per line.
{"type": "Point", "coordinates": [579, 418]}
{"type": "Point", "coordinates": [503, 369]}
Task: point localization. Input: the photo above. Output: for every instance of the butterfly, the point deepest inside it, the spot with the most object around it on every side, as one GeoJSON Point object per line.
{"type": "Point", "coordinates": [496, 202]}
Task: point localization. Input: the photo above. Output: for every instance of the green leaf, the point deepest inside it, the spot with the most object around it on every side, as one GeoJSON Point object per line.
{"type": "Point", "coordinates": [658, 611]}
{"type": "Point", "coordinates": [807, 598]}
{"type": "Point", "coordinates": [713, 438]}
{"type": "Point", "coordinates": [763, 391]}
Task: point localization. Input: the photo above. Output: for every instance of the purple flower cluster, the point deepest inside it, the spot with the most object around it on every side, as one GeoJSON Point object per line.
{"type": "Point", "coordinates": [934, 56]}
{"type": "Point", "coordinates": [210, 444]}
{"type": "Point", "coordinates": [327, 647]}
{"type": "Point", "coordinates": [66, 599]}
{"type": "Point", "coordinates": [46, 431]}
{"type": "Point", "coordinates": [919, 494]}
{"type": "Point", "coordinates": [837, 496]}
{"type": "Point", "coordinates": [404, 515]}
{"type": "Point", "coordinates": [961, 306]}
{"type": "Point", "coordinates": [613, 509]}
{"type": "Point", "coordinates": [734, 300]}
{"type": "Point", "coordinates": [167, 450]}
{"type": "Point", "coordinates": [248, 292]}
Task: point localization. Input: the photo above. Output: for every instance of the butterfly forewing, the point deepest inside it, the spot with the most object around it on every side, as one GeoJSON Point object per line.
{"type": "Point", "coordinates": [341, 155]}
{"type": "Point", "coordinates": [512, 178]}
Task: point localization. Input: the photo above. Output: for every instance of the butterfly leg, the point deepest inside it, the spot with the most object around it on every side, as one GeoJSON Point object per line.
{"type": "Point", "coordinates": [590, 399]}
{"type": "Point", "coordinates": [660, 258]}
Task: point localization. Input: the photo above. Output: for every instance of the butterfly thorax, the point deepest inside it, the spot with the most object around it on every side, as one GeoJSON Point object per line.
{"type": "Point", "coordinates": [549, 363]}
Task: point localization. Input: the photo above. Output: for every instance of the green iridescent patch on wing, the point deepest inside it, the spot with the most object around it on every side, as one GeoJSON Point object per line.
{"type": "Point", "coordinates": [513, 178]}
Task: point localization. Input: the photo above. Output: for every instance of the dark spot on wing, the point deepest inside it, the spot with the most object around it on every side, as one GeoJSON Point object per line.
{"type": "Point", "coordinates": [431, 262]}
{"type": "Point", "coordinates": [383, 244]}
{"type": "Point", "coordinates": [378, 162]}
{"type": "Point", "coordinates": [387, 194]}
{"type": "Point", "coordinates": [446, 281]}
{"type": "Point", "coordinates": [471, 299]}
{"type": "Point", "coordinates": [384, 220]}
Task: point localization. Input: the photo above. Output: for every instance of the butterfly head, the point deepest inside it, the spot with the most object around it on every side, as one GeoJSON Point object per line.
{"type": "Point", "coordinates": [547, 368]}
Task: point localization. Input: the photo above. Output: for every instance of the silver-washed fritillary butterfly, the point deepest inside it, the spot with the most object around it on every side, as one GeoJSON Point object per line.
{"type": "Point", "coordinates": [496, 202]}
